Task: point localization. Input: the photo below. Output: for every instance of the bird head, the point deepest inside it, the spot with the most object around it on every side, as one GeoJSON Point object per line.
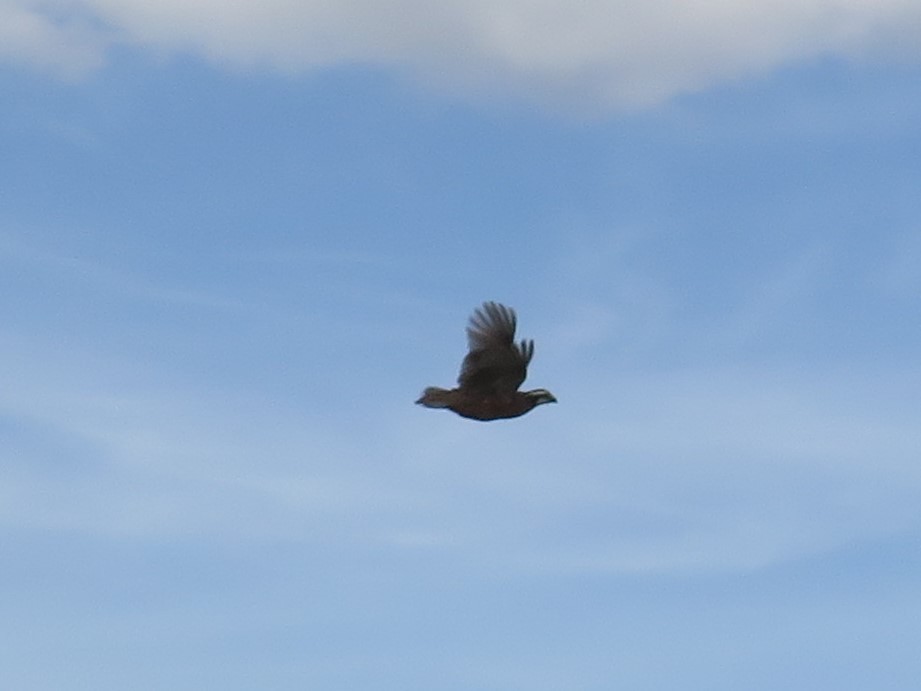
{"type": "Point", "coordinates": [539, 396]}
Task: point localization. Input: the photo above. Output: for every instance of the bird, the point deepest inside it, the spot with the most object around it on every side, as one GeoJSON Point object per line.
{"type": "Point", "coordinates": [491, 372]}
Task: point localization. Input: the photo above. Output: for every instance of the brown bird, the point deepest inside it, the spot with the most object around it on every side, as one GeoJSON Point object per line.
{"type": "Point", "coordinates": [491, 372]}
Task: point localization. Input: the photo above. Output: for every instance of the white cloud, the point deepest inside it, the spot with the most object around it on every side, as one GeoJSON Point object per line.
{"type": "Point", "coordinates": [41, 35]}
{"type": "Point", "coordinates": [592, 54]}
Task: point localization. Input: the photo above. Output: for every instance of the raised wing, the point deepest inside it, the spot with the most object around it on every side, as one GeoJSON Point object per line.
{"type": "Point", "coordinates": [495, 363]}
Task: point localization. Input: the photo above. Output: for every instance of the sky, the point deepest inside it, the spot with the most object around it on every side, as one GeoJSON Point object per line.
{"type": "Point", "coordinates": [238, 239]}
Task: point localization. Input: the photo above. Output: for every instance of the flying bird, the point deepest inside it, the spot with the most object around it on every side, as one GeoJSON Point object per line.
{"type": "Point", "coordinates": [491, 372]}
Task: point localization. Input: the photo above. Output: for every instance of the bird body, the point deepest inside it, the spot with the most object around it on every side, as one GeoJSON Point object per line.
{"type": "Point", "coordinates": [492, 371]}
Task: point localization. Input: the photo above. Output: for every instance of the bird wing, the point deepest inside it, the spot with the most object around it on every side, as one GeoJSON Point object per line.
{"type": "Point", "coordinates": [495, 363]}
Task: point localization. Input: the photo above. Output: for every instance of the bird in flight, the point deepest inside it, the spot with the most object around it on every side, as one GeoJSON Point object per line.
{"type": "Point", "coordinates": [491, 372]}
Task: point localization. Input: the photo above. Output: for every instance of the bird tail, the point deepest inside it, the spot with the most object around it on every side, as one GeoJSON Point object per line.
{"type": "Point", "coordinates": [433, 397]}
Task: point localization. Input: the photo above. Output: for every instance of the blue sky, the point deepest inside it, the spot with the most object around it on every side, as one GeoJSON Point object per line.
{"type": "Point", "coordinates": [236, 243]}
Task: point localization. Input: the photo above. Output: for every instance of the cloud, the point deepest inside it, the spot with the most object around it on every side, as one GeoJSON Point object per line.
{"type": "Point", "coordinates": [700, 469]}
{"type": "Point", "coordinates": [42, 36]}
{"type": "Point", "coordinates": [739, 467]}
{"type": "Point", "coordinates": [597, 54]}
{"type": "Point", "coordinates": [692, 464]}
{"type": "Point", "coordinates": [699, 463]}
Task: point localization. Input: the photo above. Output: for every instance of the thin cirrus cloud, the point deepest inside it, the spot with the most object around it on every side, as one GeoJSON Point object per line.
{"type": "Point", "coordinates": [599, 55]}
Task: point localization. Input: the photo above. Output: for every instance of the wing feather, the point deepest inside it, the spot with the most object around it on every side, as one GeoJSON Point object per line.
{"type": "Point", "coordinates": [495, 365]}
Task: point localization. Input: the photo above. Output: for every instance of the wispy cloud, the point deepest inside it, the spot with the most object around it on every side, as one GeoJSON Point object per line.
{"type": "Point", "coordinates": [164, 460]}
{"type": "Point", "coordinates": [694, 465]}
{"type": "Point", "coordinates": [48, 36]}
{"type": "Point", "coordinates": [80, 271]}
{"type": "Point", "coordinates": [707, 470]}
{"type": "Point", "coordinates": [593, 55]}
